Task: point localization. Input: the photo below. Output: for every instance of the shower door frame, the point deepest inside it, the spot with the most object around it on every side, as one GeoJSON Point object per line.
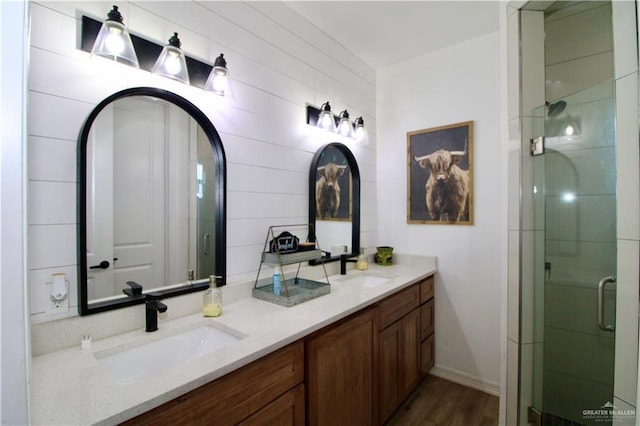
{"type": "Point", "coordinates": [525, 33]}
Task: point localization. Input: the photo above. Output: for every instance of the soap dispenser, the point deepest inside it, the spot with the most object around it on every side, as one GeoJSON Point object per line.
{"type": "Point", "coordinates": [277, 281]}
{"type": "Point", "coordinates": [212, 299]}
{"type": "Point", "coordinates": [361, 263]}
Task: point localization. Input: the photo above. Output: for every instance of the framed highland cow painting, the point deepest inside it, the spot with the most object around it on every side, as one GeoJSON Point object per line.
{"type": "Point", "coordinates": [440, 175]}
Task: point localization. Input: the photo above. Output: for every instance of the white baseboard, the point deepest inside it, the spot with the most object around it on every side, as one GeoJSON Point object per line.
{"type": "Point", "coordinates": [465, 379]}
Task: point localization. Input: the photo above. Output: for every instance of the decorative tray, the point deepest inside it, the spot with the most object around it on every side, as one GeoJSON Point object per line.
{"type": "Point", "coordinates": [298, 290]}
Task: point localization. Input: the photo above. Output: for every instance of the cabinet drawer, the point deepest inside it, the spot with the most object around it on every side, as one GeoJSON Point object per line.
{"type": "Point", "coordinates": [234, 397]}
{"type": "Point", "coordinates": [288, 410]}
{"type": "Point", "coordinates": [426, 319]}
{"type": "Point", "coordinates": [426, 289]}
{"type": "Point", "coordinates": [395, 307]}
{"type": "Point", "coordinates": [427, 354]}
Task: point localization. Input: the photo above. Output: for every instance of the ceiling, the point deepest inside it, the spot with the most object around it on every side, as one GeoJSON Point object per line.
{"type": "Point", "coordinates": [386, 32]}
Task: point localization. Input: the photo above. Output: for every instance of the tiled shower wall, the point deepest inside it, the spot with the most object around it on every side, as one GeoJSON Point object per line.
{"type": "Point", "coordinates": [278, 62]}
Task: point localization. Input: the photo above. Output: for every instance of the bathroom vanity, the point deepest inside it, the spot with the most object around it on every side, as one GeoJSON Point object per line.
{"type": "Point", "coordinates": [349, 356]}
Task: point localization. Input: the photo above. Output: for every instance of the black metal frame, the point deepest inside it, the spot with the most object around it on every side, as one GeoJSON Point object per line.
{"type": "Point", "coordinates": [146, 51]}
{"type": "Point", "coordinates": [220, 199]}
{"type": "Point", "coordinates": [355, 193]}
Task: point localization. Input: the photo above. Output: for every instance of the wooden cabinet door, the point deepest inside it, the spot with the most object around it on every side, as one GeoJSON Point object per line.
{"type": "Point", "coordinates": [340, 372]}
{"type": "Point", "coordinates": [410, 354]}
{"type": "Point", "coordinates": [288, 410]}
{"type": "Point", "coordinates": [399, 365]}
{"type": "Point", "coordinates": [390, 385]}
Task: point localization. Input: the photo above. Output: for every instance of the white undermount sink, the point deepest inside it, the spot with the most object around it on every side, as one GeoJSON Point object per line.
{"type": "Point", "coordinates": [366, 279]}
{"type": "Point", "coordinates": [134, 363]}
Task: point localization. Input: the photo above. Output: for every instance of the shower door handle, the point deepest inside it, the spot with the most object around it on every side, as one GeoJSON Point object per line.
{"type": "Point", "coordinates": [207, 244]}
{"type": "Point", "coordinates": [603, 282]}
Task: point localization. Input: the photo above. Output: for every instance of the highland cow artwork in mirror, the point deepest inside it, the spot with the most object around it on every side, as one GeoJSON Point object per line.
{"type": "Point", "coordinates": [333, 186]}
{"type": "Point", "coordinates": [440, 175]}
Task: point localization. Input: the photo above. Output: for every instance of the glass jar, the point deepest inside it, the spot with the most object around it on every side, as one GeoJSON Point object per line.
{"type": "Point", "coordinates": [361, 263]}
{"type": "Point", "coordinates": [212, 299]}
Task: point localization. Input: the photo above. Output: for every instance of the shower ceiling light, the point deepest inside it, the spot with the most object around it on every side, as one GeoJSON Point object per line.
{"type": "Point", "coordinates": [566, 126]}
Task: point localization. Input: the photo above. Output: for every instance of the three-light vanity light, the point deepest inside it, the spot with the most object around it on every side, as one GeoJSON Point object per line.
{"type": "Point", "coordinates": [324, 119]}
{"type": "Point", "coordinates": [114, 42]}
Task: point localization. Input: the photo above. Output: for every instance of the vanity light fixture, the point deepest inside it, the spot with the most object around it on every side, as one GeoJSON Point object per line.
{"type": "Point", "coordinates": [148, 52]}
{"type": "Point", "coordinates": [113, 40]}
{"type": "Point", "coordinates": [218, 81]}
{"type": "Point", "coordinates": [324, 119]}
{"type": "Point", "coordinates": [171, 63]}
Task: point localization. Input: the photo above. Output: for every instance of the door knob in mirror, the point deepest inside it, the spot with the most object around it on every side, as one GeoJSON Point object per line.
{"type": "Point", "coordinates": [102, 265]}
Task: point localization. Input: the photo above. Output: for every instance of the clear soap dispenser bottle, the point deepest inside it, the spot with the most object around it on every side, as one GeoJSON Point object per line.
{"type": "Point", "coordinates": [361, 263]}
{"type": "Point", "coordinates": [212, 299]}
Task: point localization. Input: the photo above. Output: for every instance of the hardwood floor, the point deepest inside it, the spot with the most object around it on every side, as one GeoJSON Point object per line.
{"type": "Point", "coordinates": [438, 401]}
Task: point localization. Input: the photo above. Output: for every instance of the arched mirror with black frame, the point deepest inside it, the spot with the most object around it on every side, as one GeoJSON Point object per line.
{"type": "Point", "coordinates": [151, 200]}
{"type": "Point", "coordinates": [334, 201]}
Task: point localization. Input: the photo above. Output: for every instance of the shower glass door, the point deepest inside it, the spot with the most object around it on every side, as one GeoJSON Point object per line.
{"type": "Point", "coordinates": [574, 296]}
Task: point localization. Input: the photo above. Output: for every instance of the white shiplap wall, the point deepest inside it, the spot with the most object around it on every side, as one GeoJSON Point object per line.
{"type": "Point", "coordinates": [278, 62]}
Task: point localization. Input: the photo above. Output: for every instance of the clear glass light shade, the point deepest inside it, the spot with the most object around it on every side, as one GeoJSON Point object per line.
{"type": "Point", "coordinates": [344, 125]}
{"type": "Point", "coordinates": [325, 118]}
{"type": "Point", "coordinates": [171, 63]}
{"type": "Point", "coordinates": [218, 81]}
{"type": "Point", "coordinates": [325, 121]}
{"type": "Point", "coordinates": [114, 42]}
{"type": "Point", "coordinates": [360, 133]}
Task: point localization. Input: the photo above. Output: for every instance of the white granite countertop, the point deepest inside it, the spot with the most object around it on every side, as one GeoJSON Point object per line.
{"type": "Point", "coordinates": [71, 387]}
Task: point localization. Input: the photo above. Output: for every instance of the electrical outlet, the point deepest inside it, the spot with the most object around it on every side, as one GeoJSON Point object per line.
{"type": "Point", "coordinates": [57, 306]}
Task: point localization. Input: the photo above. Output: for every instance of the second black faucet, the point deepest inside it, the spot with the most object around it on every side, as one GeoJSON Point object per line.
{"type": "Point", "coordinates": [152, 307]}
{"type": "Point", "coordinates": [344, 258]}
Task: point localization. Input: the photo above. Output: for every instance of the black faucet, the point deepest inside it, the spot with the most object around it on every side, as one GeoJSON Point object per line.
{"type": "Point", "coordinates": [344, 258]}
{"type": "Point", "coordinates": [135, 289]}
{"type": "Point", "coordinates": [152, 307]}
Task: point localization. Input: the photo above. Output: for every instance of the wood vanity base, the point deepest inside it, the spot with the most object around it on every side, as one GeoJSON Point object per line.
{"type": "Point", "coordinates": [358, 370]}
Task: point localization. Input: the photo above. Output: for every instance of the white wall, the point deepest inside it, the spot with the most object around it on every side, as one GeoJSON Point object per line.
{"type": "Point", "coordinates": [456, 84]}
{"type": "Point", "coordinates": [278, 63]}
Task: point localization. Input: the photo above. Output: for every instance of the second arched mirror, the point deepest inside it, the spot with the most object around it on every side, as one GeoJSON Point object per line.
{"type": "Point", "coordinates": [151, 199]}
{"type": "Point", "coordinates": [334, 200]}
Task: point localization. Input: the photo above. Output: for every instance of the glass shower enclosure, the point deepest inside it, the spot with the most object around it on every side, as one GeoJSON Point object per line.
{"type": "Point", "coordinates": [575, 259]}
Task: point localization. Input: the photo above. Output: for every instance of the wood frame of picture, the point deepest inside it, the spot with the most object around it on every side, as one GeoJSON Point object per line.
{"type": "Point", "coordinates": [440, 175]}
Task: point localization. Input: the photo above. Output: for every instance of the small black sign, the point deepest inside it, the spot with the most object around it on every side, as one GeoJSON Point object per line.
{"type": "Point", "coordinates": [284, 243]}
